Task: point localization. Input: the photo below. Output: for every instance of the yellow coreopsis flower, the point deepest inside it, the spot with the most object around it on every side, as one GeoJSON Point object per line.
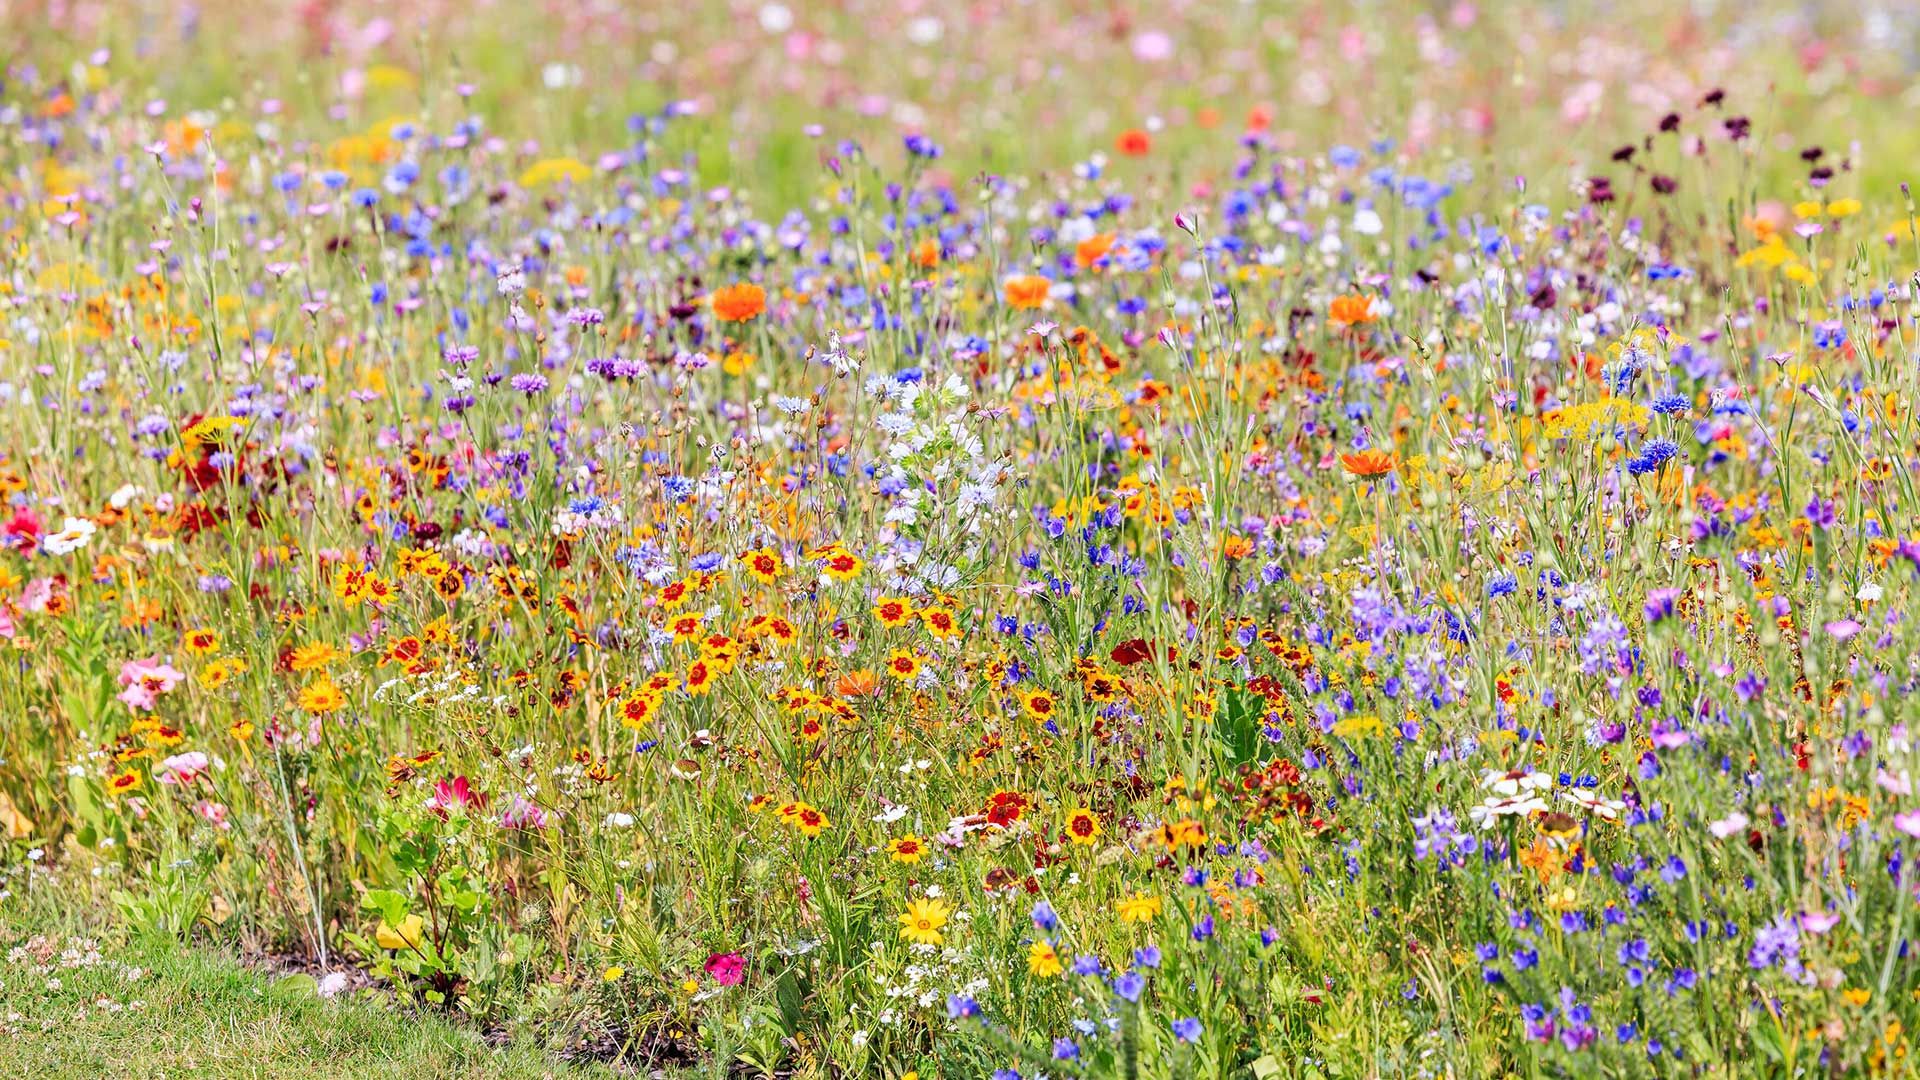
{"type": "Point", "coordinates": [923, 920]}
{"type": "Point", "coordinates": [321, 697]}
{"type": "Point", "coordinates": [1044, 960]}
{"type": "Point", "coordinates": [1138, 908]}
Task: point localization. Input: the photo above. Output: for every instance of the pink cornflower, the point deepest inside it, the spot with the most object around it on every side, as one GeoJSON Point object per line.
{"type": "Point", "coordinates": [523, 813]}
{"type": "Point", "coordinates": [184, 769]}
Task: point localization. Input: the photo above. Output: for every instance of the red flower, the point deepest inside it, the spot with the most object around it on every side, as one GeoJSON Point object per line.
{"type": "Point", "coordinates": [1129, 653]}
{"type": "Point", "coordinates": [1005, 807]}
{"type": "Point", "coordinates": [24, 529]}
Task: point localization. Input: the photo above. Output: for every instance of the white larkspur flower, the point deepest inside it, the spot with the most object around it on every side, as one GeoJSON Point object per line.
{"type": "Point", "coordinates": [1515, 782]}
{"type": "Point", "coordinates": [1488, 813]}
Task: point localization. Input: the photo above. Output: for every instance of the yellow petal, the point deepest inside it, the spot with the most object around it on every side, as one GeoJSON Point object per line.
{"type": "Point", "coordinates": [13, 824]}
{"type": "Point", "coordinates": [407, 936]}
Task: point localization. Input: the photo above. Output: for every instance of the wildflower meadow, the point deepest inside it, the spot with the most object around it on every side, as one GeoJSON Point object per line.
{"type": "Point", "coordinates": [927, 542]}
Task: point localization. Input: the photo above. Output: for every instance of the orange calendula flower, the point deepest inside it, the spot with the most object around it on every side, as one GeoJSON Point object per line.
{"type": "Point", "coordinates": [316, 655]}
{"type": "Point", "coordinates": [1369, 462]}
{"type": "Point", "coordinates": [1173, 835]}
{"type": "Point", "coordinates": [1092, 249]}
{"type": "Point", "coordinates": [739, 303]}
{"type": "Point", "coordinates": [1027, 291]}
{"type": "Point", "coordinates": [1350, 311]}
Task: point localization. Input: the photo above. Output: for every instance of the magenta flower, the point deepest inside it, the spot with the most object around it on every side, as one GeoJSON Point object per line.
{"type": "Point", "coordinates": [727, 969]}
{"type": "Point", "coordinates": [455, 794]}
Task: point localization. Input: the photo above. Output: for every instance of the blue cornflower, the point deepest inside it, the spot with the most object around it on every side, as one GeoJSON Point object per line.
{"type": "Point", "coordinates": [1655, 453]}
{"type": "Point", "coordinates": [1043, 916]}
{"type": "Point", "coordinates": [678, 488]}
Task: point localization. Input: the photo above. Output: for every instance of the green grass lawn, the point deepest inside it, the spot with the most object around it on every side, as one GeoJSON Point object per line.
{"type": "Point", "coordinates": [162, 1010]}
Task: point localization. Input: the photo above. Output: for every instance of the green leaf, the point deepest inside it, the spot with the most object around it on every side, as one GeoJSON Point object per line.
{"type": "Point", "coordinates": [392, 906]}
{"type": "Point", "coordinates": [295, 987]}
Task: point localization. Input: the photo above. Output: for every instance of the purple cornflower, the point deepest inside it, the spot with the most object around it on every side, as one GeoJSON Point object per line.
{"type": "Point", "coordinates": [1660, 604]}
